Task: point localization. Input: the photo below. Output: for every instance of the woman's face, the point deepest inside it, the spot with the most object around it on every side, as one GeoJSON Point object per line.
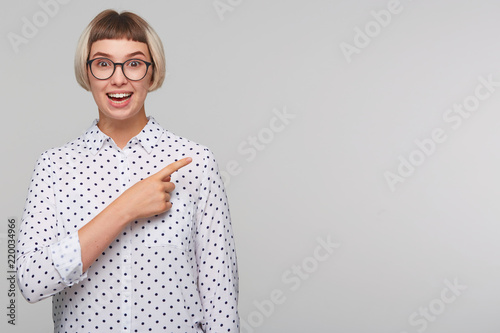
{"type": "Point", "coordinates": [119, 98]}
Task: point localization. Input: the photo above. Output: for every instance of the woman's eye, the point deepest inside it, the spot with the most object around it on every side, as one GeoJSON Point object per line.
{"type": "Point", "coordinates": [102, 63]}
{"type": "Point", "coordinates": [134, 63]}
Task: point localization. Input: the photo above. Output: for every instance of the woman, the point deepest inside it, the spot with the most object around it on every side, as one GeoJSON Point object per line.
{"type": "Point", "coordinates": [128, 226]}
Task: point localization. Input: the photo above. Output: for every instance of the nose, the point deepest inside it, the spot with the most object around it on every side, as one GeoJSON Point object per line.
{"type": "Point", "coordinates": [118, 78]}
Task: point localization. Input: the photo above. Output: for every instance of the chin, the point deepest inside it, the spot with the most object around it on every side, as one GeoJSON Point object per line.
{"type": "Point", "coordinates": [117, 114]}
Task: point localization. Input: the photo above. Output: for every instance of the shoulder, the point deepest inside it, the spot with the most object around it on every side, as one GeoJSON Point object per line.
{"type": "Point", "coordinates": [75, 146]}
{"type": "Point", "coordinates": [204, 159]}
{"type": "Point", "coordinates": [187, 146]}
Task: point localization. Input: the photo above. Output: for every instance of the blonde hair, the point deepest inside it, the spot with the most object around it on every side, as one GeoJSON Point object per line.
{"type": "Point", "coordinates": [110, 24]}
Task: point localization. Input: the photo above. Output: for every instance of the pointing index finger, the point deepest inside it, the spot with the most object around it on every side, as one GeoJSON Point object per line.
{"type": "Point", "coordinates": [171, 168]}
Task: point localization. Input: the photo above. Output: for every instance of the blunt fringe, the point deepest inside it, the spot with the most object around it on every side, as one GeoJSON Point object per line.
{"type": "Point", "coordinates": [109, 24]}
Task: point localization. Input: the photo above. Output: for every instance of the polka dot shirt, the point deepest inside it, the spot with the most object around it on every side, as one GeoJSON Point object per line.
{"type": "Point", "coordinates": [173, 272]}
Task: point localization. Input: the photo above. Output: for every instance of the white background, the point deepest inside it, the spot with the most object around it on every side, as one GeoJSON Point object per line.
{"type": "Point", "coordinates": [322, 175]}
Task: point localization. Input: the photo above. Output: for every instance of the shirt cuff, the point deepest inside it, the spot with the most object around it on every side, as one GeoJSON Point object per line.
{"type": "Point", "coordinates": [67, 259]}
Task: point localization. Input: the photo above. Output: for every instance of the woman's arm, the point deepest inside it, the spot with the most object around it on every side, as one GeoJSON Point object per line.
{"type": "Point", "coordinates": [216, 254]}
{"type": "Point", "coordinates": [49, 261]}
{"type": "Point", "coordinates": [48, 257]}
{"type": "Point", "coordinates": [147, 197]}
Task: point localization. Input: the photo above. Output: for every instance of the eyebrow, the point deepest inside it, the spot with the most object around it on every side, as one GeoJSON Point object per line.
{"type": "Point", "coordinates": [102, 54]}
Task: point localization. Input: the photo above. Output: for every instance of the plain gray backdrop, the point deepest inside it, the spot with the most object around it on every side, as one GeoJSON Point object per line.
{"type": "Point", "coordinates": [359, 142]}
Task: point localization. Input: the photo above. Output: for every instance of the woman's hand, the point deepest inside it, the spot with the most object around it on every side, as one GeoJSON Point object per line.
{"type": "Point", "coordinates": [150, 196]}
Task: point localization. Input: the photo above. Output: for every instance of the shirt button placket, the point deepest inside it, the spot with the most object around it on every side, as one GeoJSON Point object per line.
{"type": "Point", "coordinates": [125, 250]}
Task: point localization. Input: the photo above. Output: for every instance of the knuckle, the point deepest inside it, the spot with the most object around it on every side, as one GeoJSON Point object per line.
{"type": "Point", "coordinates": [170, 187]}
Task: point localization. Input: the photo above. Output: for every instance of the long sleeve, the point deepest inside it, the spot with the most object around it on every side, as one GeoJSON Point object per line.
{"type": "Point", "coordinates": [48, 259]}
{"type": "Point", "coordinates": [174, 271]}
{"type": "Point", "coordinates": [215, 254]}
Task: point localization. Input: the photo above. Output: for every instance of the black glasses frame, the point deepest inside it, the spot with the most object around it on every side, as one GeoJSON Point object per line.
{"type": "Point", "coordinates": [89, 63]}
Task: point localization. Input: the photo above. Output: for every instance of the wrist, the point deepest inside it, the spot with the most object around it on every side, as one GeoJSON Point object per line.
{"type": "Point", "coordinates": [121, 211]}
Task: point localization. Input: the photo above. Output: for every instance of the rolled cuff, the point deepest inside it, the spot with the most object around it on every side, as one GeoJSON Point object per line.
{"type": "Point", "coordinates": [67, 259]}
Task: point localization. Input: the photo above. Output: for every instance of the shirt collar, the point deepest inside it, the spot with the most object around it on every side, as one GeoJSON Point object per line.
{"type": "Point", "coordinates": [147, 138]}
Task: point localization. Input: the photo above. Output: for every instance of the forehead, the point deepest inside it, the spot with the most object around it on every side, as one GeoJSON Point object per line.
{"type": "Point", "coordinates": [118, 48]}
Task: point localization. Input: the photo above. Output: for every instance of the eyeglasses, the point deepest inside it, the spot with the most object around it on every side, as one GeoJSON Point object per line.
{"type": "Point", "coordinates": [104, 68]}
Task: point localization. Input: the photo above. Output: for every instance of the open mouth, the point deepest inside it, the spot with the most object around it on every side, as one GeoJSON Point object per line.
{"type": "Point", "coordinates": [119, 98]}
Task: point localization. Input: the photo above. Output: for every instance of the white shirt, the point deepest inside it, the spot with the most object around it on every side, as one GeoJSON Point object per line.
{"type": "Point", "coordinates": [174, 272]}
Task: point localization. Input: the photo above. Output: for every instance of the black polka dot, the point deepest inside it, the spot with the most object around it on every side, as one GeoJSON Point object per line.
{"type": "Point", "coordinates": [174, 272]}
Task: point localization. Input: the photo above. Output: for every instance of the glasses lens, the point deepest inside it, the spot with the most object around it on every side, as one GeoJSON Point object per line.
{"type": "Point", "coordinates": [102, 68]}
{"type": "Point", "coordinates": [135, 69]}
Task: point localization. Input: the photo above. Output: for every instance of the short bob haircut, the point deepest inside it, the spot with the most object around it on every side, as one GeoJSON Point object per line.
{"type": "Point", "coordinates": [110, 24]}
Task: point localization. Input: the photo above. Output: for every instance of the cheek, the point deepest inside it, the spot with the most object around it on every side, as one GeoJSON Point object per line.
{"type": "Point", "coordinates": [96, 90]}
{"type": "Point", "coordinates": [149, 82]}
{"type": "Point", "coordinates": [151, 79]}
{"type": "Point", "coordinates": [143, 87]}
{"type": "Point", "coordinates": [96, 86]}
{"type": "Point", "coordinates": [91, 79]}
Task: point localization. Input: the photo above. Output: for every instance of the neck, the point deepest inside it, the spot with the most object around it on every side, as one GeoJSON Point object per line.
{"type": "Point", "coordinates": [121, 131]}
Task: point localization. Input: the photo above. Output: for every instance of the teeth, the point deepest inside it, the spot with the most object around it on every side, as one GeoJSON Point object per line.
{"type": "Point", "coordinates": [120, 95]}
